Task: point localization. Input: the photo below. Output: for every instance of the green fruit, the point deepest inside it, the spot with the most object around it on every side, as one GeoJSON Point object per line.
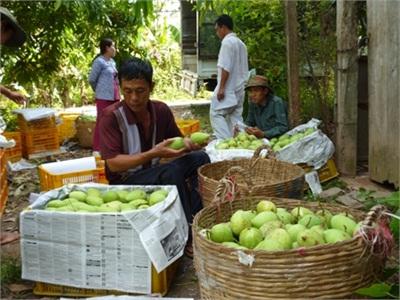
{"type": "Point", "coordinates": [164, 192]}
{"type": "Point", "coordinates": [177, 143]}
{"type": "Point", "coordinates": [295, 245]}
{"type": "Point", "coordinates": [93, 192]}
{"type": "Point", "coordinates": [81, 206]}
{"type": "Point", "coordinates": [343, 223]}
{"type": "Point", "coordinates": [55, 203]}
{"type": "Point", "coordinates": [109, 196]}
{"type": "Point", "coordinates": [126, 207]}
{"type": "Point", "coordinates": [283, 215]}
{"type": "Point", "coordinates": [319, 228]}
{"type": "Point", "coordinates": [357, 228]}
{"type": "Point", "coordinates": [122, 195]}
{"type": "Point", "coordinates": [335, 235]}
{"type": "Point", "coordinates": [156, 197]}
{"type": "Point", "coordinates": [299, 212]}
{"type": "Point", "coordinates": [265, 205]}
{"type": "Point", "coordinates": [294, 230]}
{"type": "Point", "coordinates": [269, 245]}
{"type": "Point", "coordinates": [81, 196]}
{"type": "Point", "coordinates": [308, 238]}
{"type": "Point", "coordinates": [222, 146]}
{"type": "Point", "coordinates": [233, 245]}
{"type": "Point", "coordinates": [282, 236]}
{"type": "Point", "coordinates": [238, 222]}
{"type": "Point", "coordinates": [310, 220]}
{"type": "Point", "coordinates": [221, 233]}
{"type": "Point", "coordinates": [273, 140]}
{"type": "Point", "coordinates": [136, 203]}
{"type": "Point", "coordinates": [325, 214]}
{"type": "Point", "coordinates": [263, 217]}
{"type": "Point", "coordinates": [250, 237]}
{"type": "Point", "coordinates": [115, 204]}
{"type": "Point", "coordinates": [94, 200]}
{"type": "Point", "coordinates": [107, 208]}
{"type": "Point", "coordinates": [135, 194]}
{"type": "Point", "coordinates": [143, 206]}
{"type": "Point", "coordinates": [283, 137]}
{"type": "Point", "coordinates": [199, 137]}
{"type": "Point", "coordinates": [268, 227]}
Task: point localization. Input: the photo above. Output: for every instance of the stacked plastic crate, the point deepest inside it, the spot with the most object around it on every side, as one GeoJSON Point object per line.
{"type": "Point", "coordinates": [15, 153]}
{"type": "Point", "coordinates": [3, 181]}
{"type": "Point", "coordinates": [39, 137]}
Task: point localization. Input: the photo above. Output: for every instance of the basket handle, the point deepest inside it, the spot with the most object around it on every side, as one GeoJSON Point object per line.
{"type": "Point", "coordinates": [378, 237]}
{"type": "Point", "coordinates": [374, 214]}
{"type": "Point", "coordinates": [237, 170]}
{"type": "Point", "coordinates": [270, 152]}
{"type": "Point", "coordinates": [227, 187]}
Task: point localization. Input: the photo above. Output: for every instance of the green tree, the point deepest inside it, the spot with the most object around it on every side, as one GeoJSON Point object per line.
{"type": "Point", "coordinates": [63, 39]}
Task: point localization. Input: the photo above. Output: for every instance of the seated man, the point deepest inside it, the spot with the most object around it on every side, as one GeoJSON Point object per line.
{"type": "Point", "coordinates": [267, 115]}
{"type": "Point", "coordinates": [136, 133]}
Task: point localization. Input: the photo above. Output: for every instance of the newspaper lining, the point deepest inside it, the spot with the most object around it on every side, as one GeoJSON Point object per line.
{"type": "Point", "coordinates": [102, 250]}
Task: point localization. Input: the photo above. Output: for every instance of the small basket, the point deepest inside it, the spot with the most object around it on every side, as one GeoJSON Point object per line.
{"type": "Point", "coordinates": [259, 176]}
{"type": "Point", "coordinates": [328, 271]}
{"type": "Point", "coordinates": [84, 132]}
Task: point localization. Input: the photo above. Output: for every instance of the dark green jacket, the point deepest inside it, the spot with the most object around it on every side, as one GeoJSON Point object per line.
{"type": "Point", "coordinates": [271, 118]}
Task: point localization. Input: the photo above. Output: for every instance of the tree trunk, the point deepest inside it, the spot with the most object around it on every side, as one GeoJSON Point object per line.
{"type": "Point", "coordinates": [292, 55]}
{"type": "Point", "coordinates": [347, 95]}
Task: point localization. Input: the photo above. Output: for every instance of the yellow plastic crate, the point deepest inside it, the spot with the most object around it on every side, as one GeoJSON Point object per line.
{"type": "Point", "coordinates": [38, 141]}
{"type": "Point", "coordinates": [3, 199]}
{"type": "Point", "coordinates": [66, 129]}
{"type": "Point", "coordinates": [188, 126]}
{"type": "Point", "coordinates": [44, 123]}
{"type": "Point", "coordinates": [3, 181]}
{"type": "Point", "coordinates": [160, 284]}
{"type": "Point", "coordinates": [49, 181]}
{"type": "Point", "coordinates": [326, 172]}
{"type": "Point", "coordinates": [15, 153]}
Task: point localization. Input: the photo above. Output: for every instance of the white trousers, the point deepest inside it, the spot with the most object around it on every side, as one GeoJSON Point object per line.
{"type": "Point", "coordinates": [224, 120]}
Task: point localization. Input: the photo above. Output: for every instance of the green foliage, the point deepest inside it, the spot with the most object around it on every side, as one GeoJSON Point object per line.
{"type": "Point", "coordinates": [6, 108]}
{"type": "Point", "coordinates": [63, 38]}
{"type": "Point", "coordinates": [261, 25]}
{"type": "Point", "coordinates": [10, 270]}
{"type": "Point", "coordinates": [377, 290]}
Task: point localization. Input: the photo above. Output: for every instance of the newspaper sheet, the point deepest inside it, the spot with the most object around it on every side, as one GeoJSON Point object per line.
{"type": "Point", "coordinates": [101, 250]}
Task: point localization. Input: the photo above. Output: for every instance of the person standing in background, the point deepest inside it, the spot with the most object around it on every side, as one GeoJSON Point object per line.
{"type": "Point", "coordinates": [103, 79]}
{"type": "Point", "coordinates": [227, 100]}
{"type": "Point", "coordinates": [12, 35]}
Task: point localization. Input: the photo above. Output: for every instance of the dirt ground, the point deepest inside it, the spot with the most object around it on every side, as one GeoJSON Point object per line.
{"type": "Point", "coordinates": [185, 282]}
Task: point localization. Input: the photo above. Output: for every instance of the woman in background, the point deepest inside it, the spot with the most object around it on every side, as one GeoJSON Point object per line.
{"type": "Point", "coordinates": [103, 79]}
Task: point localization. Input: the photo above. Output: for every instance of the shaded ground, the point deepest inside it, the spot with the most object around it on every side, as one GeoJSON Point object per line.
{"type": "Point", "coordinates": [185, 282]}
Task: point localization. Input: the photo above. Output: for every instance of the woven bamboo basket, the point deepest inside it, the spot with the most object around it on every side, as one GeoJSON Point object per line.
{"type": "Point", "coordinates": [260, 176]}
{"type": "Point", "coordinates": [328, 271]}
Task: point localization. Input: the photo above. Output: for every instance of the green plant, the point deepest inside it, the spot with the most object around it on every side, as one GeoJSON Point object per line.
{"type": "Point", "coordinates": [10, 270]}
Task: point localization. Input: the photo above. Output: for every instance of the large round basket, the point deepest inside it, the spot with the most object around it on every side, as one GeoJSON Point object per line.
{"type": "Point", "coordinates": [259, 176]}
{"type": "Point", "coordinates": [324, 271]}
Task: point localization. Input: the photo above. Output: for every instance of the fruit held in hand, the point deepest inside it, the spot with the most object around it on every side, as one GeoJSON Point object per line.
{"type": "Point", "coordinates": [199, 138]}
{"type": "Point", "coordinates": [177, 143]}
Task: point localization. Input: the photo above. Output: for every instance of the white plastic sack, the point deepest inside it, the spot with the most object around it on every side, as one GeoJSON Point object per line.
{"type": "Point", "coordinates": [228, 154]}
{"type": "Point", "coordinates": [314, 149]}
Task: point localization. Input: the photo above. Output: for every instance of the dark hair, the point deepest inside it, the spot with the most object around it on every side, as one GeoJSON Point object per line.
{"type": "Point", "coordinates": [136, 68]}
{"type": "Point", "coordinates": [104, 43]}
{"type": "Point", "coordinates": [224, 20]}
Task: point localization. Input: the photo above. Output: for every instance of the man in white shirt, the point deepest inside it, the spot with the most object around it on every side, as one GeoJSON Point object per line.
{"type": "Point", "coordinates": [227, 100]}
